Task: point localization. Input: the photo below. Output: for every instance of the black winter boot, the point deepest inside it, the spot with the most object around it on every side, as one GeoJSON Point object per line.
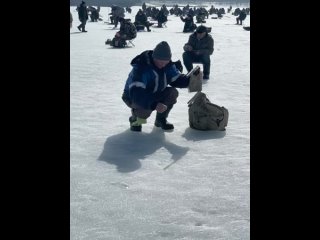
{"type": "Point", "coordinates": [161, 120]}
{"type": "Point", "coordinates": [164, 124]}
{"type": "Point", "coordinates": [134, 128]}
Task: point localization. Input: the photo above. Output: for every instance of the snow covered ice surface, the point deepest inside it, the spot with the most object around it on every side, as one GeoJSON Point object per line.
{"type": "Point", "coordinates": [152, 185]}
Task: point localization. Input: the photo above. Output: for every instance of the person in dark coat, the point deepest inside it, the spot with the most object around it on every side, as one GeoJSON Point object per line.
{"type": "Point", "coordinates": [146, 89]}
{"type": "Point", "coordinates": [83, 16]}
{"type": "Point", "coordinates": [161, 17]}
{"type": "Point", "coordinates": [189, 25]}
{"type": "Point", "coordinates": [94, 14]}
{"type": "Point", "coordinates": [144, 7]}
{"type": "Point", "coordinates": [141, 19]}
{"type": "Point", "coordinates": [198, 50]}
{"type": "Point", "coordinates": [127, 31]}
{"type": "Point", "coordinates": [242, 16]}
{"type": "Point", "coordinates": [117, 12]}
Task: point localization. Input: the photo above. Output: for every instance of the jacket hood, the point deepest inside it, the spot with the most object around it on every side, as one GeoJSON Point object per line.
{"type": "Point", "coordinates": [144, 59]}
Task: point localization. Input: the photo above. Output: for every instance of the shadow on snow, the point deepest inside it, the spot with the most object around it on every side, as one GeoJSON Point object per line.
{"type": "Point", "coordinates": [197, 135]}
{"type": "Point", "coordinates": [125, 150]}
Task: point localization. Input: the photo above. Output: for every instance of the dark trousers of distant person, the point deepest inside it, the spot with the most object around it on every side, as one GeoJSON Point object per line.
{"type": "Point", "coordinates": [160, 23]}
{"type": "Point", "coordinates": [116, 21]}
{"type": "Point", "coordinates": [239, 20]}
{"type": "Point", "coordinates": [147, 25]}
{"type": "Point", "coordinates": [189, 58]}
{"type": "Point", "coordinates": [82, 26]}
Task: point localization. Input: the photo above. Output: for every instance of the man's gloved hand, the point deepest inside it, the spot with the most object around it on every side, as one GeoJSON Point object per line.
{"type": "Point", "coordinates": [187, 48]}
{"type": "Point", "coordinates": [139, 121]}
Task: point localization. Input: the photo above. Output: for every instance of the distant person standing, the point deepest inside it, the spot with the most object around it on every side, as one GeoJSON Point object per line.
{"type": "Point", "coordinates": [83, 16]}
{"type": "Point", "coordinates": [71, 20]}
{"type": "Point", "coordinates": [144, 7]}
{"type": "Point", "coordinates": [117, 13]}
{"type": "Point", "coordinates": [242, 16]}
{"type": "Point", "coordinates": [189, 25]}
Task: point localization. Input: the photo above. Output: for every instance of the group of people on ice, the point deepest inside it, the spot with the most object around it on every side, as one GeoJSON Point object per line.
{"type": "Point", "coordinates": [153, 81]}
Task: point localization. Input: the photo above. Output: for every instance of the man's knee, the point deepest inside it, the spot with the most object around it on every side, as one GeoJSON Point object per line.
{"type": "Point", "coordinates": [172, 95]}
{"type": "Point", "coordinates": [140, 112]}
{"type": "Point", "coordinates": [174, 92]}
{"type": "Point", "coordinates": [126, 100]}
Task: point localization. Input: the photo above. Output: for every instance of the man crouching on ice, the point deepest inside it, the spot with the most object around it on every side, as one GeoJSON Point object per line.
{"type": "Point", "coordinates": [147, 87]}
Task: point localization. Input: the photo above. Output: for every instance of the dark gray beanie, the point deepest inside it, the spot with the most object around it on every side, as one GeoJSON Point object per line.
{"type": "Point", "coordinates": [162, 51]}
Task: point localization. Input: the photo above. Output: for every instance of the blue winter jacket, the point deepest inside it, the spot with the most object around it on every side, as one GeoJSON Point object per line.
{"type": "Point", "coordinates": [146, 82]}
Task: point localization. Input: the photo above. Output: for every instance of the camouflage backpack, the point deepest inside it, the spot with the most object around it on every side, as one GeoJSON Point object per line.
{"type": "Point", "coordinates": [204, 115]}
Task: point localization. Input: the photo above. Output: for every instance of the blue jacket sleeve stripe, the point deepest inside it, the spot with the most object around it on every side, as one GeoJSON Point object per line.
{"type": "Point", "coordinates": [175, 78]}
{"type": "Point", "coordinates": [156, 81]}
{"type": "Point", "coordinates": [137, 84]}
{"type": "Point", "coordinates": [165, 82]}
